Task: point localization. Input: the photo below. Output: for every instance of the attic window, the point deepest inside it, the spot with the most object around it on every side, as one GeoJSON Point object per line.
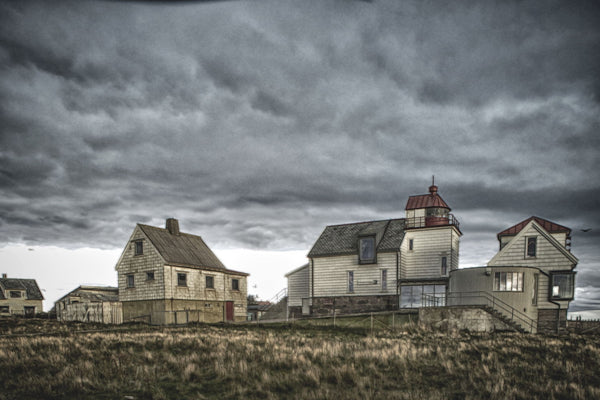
{"type": "Point", "coordinates": [15, 294]}
{"type": "Point", "coordinates": [181, 279]}
{"type": "Point", "coordinates": [531, 246]}
{"type": "Point", "coordinates": [139, 248]}
{"type": "Point", "coordinates": [366, 250]}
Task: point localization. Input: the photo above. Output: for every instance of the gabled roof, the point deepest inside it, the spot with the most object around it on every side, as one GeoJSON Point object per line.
{"type": "Point", "coordinates": [549, 226]}
{"type": "Point", "coordinates": [542, 231]}
{"type": "Point", "coordinates": [94, 293]}
{"type": "Point", "coordinates": [433, 199]}
{"type": "Point", "coordinates": [296, 270]}
{"type": "Point", "coordinates": [29, 285]}
{"type": "Point", "coordinates": [343, 239]}
{"type": "Point", "coordinates": [183, 249]}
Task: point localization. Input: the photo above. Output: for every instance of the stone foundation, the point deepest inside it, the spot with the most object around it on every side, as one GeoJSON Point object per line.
{"type": "Point", "coordinates": [552, 320]}
{"type": "Point", "coordinates": [322, 306]}
{"type": "Point", "coordinates": [295, 312]}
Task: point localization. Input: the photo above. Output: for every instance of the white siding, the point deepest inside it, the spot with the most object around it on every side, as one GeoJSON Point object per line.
{"type": "Point", "coordinates": [429, 246]}
{"type": "Point", "coordinates": [548, 257]}
{"type": "Point", "coordinates": [298, 286]}
{"type": "Point", "coordinates": [331, 275]}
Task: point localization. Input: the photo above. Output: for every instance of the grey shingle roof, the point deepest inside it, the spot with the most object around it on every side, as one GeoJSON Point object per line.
{"type": "Point", "coordinates": [183, 249]}
{"type": "Point", "coordinates": [94, 293]}
{"type": "Point", "coordinates": [29, 285]}
{"type": "Point", "coordinates": [343, 239]}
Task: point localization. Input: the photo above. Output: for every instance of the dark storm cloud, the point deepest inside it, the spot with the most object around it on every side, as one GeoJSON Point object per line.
{"type": "Point", "coordinates": [258, 123]}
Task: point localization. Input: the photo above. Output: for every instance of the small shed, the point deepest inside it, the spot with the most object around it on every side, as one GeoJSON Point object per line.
{"type": "Point", "coordinates": [90, 304]}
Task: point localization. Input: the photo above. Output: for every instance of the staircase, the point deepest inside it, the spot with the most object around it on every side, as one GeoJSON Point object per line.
{"type": "Point", "coordinates": [276, 308]}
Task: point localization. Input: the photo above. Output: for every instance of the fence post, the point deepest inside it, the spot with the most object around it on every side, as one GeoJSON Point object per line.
{"type": "Point", "coordinates": [393, 319]}
{"type": "Point", "coordinates": [371, 323]}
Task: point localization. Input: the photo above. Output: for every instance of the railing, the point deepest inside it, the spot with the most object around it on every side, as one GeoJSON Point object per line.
{"type": "Point", "coordinates": [425, 222]}
{"type": "Point", "coordinates": [274, 300]}
{"type": "Point", "coordinates": [481, 298]}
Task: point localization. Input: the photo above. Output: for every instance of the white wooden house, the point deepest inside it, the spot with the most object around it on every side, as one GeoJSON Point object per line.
{"type": "Point", "coordinates": [167, 277]}
{"type": "Point", "coordinates": [379, 265]}
{"type": "Point", "coordinates": [532, 276]}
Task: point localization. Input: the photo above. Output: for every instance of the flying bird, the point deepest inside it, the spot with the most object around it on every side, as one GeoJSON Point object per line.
{"type": "Point", "coordinates": [586, 229]}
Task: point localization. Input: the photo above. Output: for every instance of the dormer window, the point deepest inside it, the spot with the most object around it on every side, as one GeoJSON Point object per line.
{"type": "Point", "coordinates": [366, 250]}
{"type": "Point", "coordinates": [531, 246]}
{"type": "Point", "coordinates": [15, 294]}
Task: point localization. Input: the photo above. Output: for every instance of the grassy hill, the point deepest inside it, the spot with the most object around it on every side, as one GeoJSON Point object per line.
{"type": "Point", "coordinates": [284, 361]}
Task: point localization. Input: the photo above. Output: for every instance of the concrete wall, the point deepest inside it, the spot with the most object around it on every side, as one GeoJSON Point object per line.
{"type": "Point", "coordinates": [473, 319]}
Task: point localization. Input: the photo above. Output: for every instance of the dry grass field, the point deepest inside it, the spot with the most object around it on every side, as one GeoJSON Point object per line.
{"type": "Point", "coordinates": [282, 361]}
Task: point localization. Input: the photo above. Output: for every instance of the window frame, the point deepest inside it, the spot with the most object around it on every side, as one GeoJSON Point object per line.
{"type": "Point", "coordinates": [235, 284]}
{"type": "Point", "coordinates": [149, 276]}
{"type": "Point", "coordinates": [182, 279]}
{"type": "Point", "coordinates": [571, 282]}
{"type": "Point", "coordinates": [530, 242]}
{"type": "Point", "coordinates": [364, 260]}
{"type": "Point", "coordinates": [384, 283]}
{"type": "Point", "coordinates": [130, 281]}
{"type": "Point", "coordinates": [138, 247]}
{"type": "Point", "coordinates": [411, 244]}
{"type": "Point", "coordinates": [350, 281]}
{"type": "Point", "coordinates": [444, 265]}
{"type": "Point", "coordinates": [212, 282]}
{"type": "Point", "coordinates": [502, 286]}
{"type": "Point", "coordinates": [15, 294]}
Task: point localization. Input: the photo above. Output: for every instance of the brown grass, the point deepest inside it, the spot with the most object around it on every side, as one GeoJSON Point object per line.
{"type": "Point", "coordinates": [241, 362]}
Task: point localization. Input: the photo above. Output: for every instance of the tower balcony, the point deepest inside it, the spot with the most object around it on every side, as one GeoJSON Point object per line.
{"type": "Point", "coordinates": [432, 221]}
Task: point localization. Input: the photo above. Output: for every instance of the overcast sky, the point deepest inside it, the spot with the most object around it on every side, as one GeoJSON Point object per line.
{"type": "Point", "coordinates": [258, 123]}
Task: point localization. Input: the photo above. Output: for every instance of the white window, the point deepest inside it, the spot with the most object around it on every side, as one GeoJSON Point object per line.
{"type": "Point", "coordinates": [508, 281]}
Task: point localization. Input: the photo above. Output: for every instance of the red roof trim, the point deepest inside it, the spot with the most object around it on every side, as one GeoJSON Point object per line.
{"type": "Point", "coordinates": [426, 201]}
{"type": "Point", "coordinates": [549, 226]}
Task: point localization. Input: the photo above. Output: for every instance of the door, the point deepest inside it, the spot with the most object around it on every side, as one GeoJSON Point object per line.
{"type": "Point", "coordinates": [229, 310]}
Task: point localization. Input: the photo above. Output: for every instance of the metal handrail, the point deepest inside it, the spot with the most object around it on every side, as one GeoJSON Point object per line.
{"type": "Point", "coordinates": [496, 304]}
{"type": "Point", "coordinates": [422, 222]}
{"type": "Point", "coordinates": [274, 300]}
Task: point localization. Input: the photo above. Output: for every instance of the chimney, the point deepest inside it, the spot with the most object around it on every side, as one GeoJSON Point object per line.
{"type": "Point", "coordinates": [4, 276]}
{"type": "Point", "coordinates": [173, 226]}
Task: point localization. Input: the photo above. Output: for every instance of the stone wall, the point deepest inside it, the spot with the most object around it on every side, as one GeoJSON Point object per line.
{"type": "Point", "coordinates": [322, 306]}
{"type": "Point", "coordinates": [549, 320]}
{"type": "Point", "coordinates": [295, 312]}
